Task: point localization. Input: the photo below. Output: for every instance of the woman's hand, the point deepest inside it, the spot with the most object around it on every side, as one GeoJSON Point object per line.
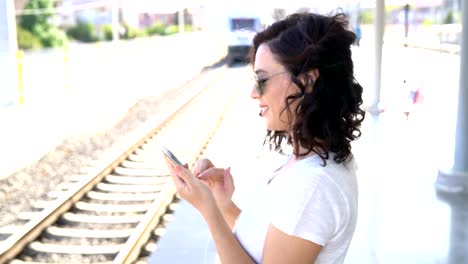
{"type": "Point", "coordinates": [201, 166]}
{"type": "Point", "coordinates": [192, 189]}
{"type": "Point", "coordinates": [219, 180]}
{"type": "Point", "coordinates": [220, 183]}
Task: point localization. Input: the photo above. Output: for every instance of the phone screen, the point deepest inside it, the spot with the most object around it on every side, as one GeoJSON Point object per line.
{"type": "Point", "coordinates": [171, 157]}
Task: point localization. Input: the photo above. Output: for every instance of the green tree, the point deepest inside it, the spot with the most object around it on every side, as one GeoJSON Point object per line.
{"type": "Point", "coordinates": [26, 40]}
{"type": "Point", "coordinates": [156, 29]}
{"type": "Point", "coordinates": [366, 16]}
{"type": "Point", "coordinates": [41, 24]}
{"type": "Point", "coordinates": [449, 18]}
{"type": "Point", "coordinates": [84, 31]}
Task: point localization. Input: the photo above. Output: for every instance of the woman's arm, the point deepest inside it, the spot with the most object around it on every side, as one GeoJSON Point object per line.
{"type": "Point", "coordinates": [222, 186]}
{"type": "Point", "coordinates": [230, 213]}
{"type": "Point", "coordinates": [279, 247]}
{"type": "Point", "coordinates": [282, 248]}
{"type": "Point", "coordinates": [228, 247]}
{"type": "Point", "coordinates": [200, 196]}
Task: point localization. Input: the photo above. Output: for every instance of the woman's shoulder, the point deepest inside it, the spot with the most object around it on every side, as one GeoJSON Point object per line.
{"type": "Point", "coordinates": [315, 165]}
{"type": "Point", "coordinates": [309, 192]}
{"type": "Point", "coordinates": [310, 173]}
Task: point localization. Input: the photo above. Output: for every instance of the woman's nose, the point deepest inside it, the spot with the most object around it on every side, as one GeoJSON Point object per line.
{"type": "Point", "coordinates": [254, 93]}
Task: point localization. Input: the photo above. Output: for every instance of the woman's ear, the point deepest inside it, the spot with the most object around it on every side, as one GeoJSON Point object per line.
{"type": "Point", "coordinates": [309, 79]}
{"type": "Point", "coordinates": [314, 74]}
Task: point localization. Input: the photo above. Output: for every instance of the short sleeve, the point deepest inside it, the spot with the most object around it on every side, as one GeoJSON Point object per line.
{"type": "Point", "coordinates": [303, 209]}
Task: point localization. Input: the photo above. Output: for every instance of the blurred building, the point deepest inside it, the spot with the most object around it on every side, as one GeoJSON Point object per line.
{"type": "Point", "coordinates": [97, 12]}
{"type": "Point", "coordinates": [135, 13]}
{"type": "Point", "coordinates": [19, 4]}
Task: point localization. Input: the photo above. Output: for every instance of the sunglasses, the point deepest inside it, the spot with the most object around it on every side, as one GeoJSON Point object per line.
{"type": "Point", "coordinates": [260, 83]}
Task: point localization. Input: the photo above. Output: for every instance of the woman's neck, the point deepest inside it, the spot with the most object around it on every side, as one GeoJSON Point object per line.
{"type": "Point", "coordinates": [303, 153]}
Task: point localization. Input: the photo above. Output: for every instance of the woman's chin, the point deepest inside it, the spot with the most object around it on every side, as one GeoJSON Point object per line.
{"type": "Point", "coordinates": [269, 128]}
{"type": "Point", "coordinates": [273, 127]}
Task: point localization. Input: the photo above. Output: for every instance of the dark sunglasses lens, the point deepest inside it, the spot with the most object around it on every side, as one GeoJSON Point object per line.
{"type": "Point", "coordinates": [260, 86]}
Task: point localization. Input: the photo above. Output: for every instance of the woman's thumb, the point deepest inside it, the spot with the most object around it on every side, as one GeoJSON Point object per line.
{"type": "Point", "coordinates": [228, 177]}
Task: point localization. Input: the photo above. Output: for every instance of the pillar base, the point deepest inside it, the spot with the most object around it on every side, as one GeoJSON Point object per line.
{"type": "Point", "coordinates": [451, 181]}
{"type": "Point", "coordinates": [374, 109]}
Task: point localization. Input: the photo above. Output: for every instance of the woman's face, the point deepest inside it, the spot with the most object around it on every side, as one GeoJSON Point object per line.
{"type": "Point", "coordinates": [277, 86]}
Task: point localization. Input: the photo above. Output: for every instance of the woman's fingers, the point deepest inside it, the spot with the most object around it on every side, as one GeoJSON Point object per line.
{"type": "Point", "coordinates": [211, 175]}
{"type": "Point", "coordinates": [229, 182]}
{"type": "Point", "coordinates": [196, 169]}
{"type": "Point", "coordinates": [201, 166]}
{"type": "Point", "coordinates": [184, 174]}
{"type": "Point", "coordinates": [206, 164]}
{"type": "Point", "coordinates": [178, 181]}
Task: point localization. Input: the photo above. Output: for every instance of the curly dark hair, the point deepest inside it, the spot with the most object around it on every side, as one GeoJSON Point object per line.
{"type": "Point", "coordinates": [329, 114]}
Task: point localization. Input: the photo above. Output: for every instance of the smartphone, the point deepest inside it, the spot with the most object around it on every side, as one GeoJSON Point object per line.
{"type": "Point", "coordinates": [171, 157]}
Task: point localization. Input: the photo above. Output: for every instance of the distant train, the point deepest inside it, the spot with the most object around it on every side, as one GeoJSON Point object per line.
{"type": "Point", "coordinates": [235, 24]}
{"type": "Point", "coordinates": [242, 28]}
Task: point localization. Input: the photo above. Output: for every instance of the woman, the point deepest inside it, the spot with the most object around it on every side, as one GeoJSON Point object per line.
{"type": "Point", "coordinates": [308, 95]}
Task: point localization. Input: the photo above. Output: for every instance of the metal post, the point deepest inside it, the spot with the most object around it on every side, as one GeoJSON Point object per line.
{"type": "Point", "coordinates": [458, 248]}
{"type": "Point", "coordinates": [115, 21]}
{"type": "Point", "coordinates": [19, 58]}
{"type": "Point", "coordinates": [66, 68]}
{"type": "Point", "coordinates": [181, 20]}
{"type": "Point", "coordinates": [8, 48]}
{"type": "Point", "coordinates": [455, 9]}
{"type": "Point", "coordinates": [379, 24]}
{"type": "Point", "coordinates": [407, 9]}
{"type": "Point", "coordinates": [455, 179]}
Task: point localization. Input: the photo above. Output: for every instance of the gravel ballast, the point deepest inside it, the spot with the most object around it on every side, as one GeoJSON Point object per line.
{"type": "Point", "coordinates": [32, 183]}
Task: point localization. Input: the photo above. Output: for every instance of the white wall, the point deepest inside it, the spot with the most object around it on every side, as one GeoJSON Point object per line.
{"type": "Point", "coordinates": [8, 47]}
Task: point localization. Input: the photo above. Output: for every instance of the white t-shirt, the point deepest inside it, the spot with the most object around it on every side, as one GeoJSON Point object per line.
{"type": "Point", "coordinates": [309, 201]}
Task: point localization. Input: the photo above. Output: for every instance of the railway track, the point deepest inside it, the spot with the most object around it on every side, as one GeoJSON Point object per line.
{"type": "Point", "coordinates": [117, 209]}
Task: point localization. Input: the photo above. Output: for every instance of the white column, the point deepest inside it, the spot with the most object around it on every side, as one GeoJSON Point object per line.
{"type": "Point", "coordinates": [379, 24]}
{"type": "Point", "coordinates": [455, 179]}
{"type": "Point", "coordinates": [8, 49]}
